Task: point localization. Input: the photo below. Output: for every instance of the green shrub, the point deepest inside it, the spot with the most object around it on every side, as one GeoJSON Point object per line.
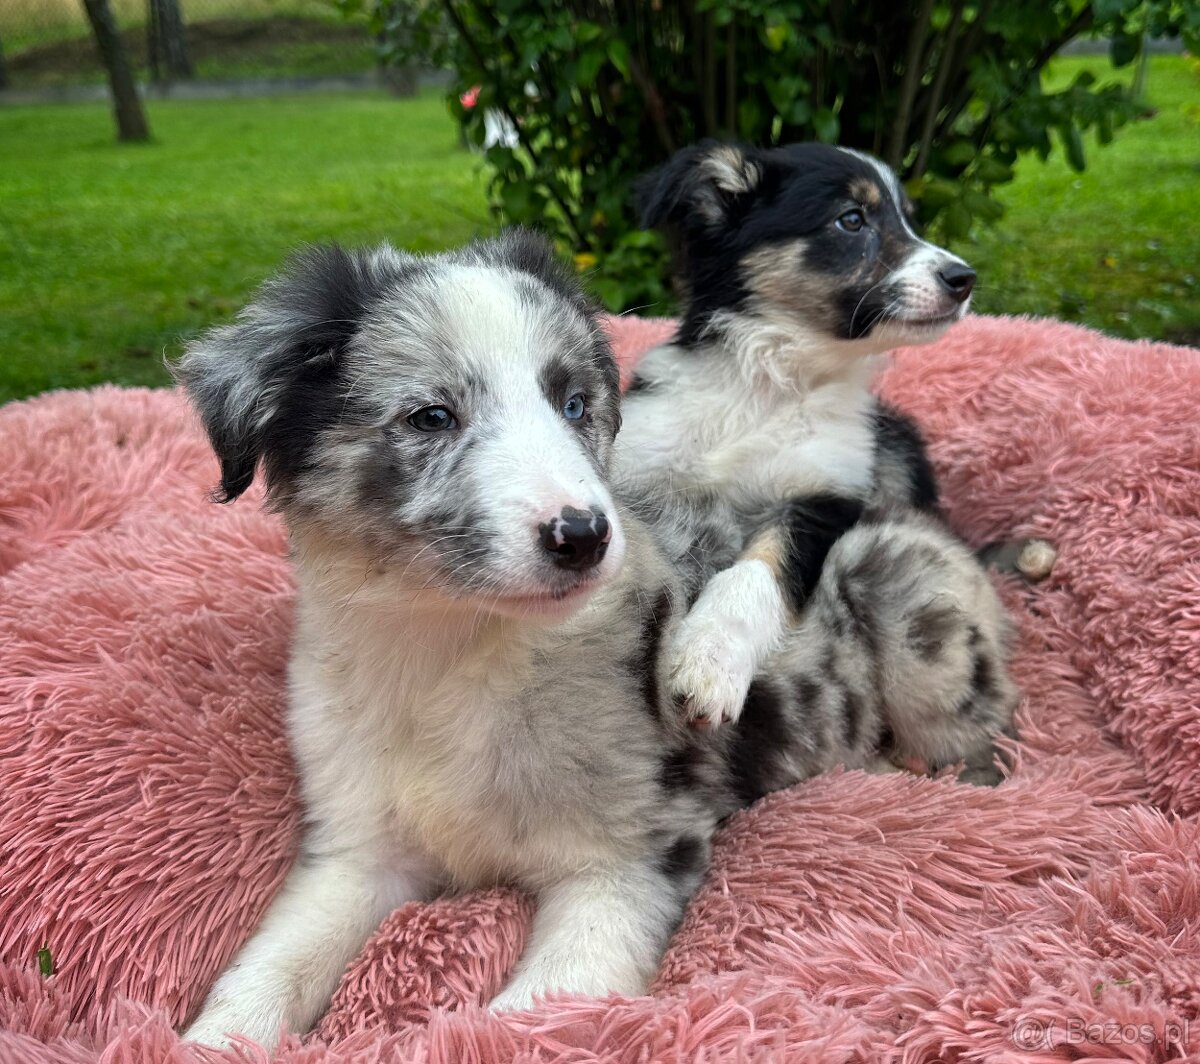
{"type": "Point", "coordinates": [948, 91]}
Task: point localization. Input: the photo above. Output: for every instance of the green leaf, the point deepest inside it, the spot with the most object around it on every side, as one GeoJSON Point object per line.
{"type": "Point", "coordinates": [1073, 146]}
{"type": "Point", "coordinates": [618, 55]}
{"type": "Point", "coordinates": [589, 66]}
{"type": "Point", "coordinates": [826, 125]}
{"type": "Point", "coordinates": [641, 238]}
{"type": "Point", "coordinates": [982, 205]}
{"type": "Point", "coordinates": [1123, 49]}
{"type": "Point", "coordinates": [516, 200]}
{"type": "Point", "coordinates": [956, 221]}
{"type": "Point", "coordinates": [586, 32]}
{"type": "Point", "coordinates": [775, 37]}
{"type": "Point", "coordinates": [936, 193]}
{"type": "Point", "coordinates": [959, 153]}
{"type": "Point", "coordinates": [610, 292]}
{"type": "Point", "coordinates": [1110, 9]}
{"type": "Point", "coordinates": [993, 172]}
{"type": "Point", "coordinates": [785, 90]}
{"type": "Point", "coordinates": [45, 961]}
{"type": "Point", "coordinates": [748, 118]}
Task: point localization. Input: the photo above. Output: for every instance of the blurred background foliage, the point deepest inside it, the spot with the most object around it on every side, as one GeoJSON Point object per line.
{"type": "Point", "coordinates": [115, 254]}
{"type": "Point", "coordinates": [949, 92]}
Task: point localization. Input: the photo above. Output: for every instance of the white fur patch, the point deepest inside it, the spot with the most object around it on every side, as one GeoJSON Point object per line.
{"type": "Point", "coordinates": [729, 169]}
{"type": "Point", "coordinates": [756, 421]}
{"type": "Point", "coordinates": [283, 977]}
{"type": "Point", "coordinates": [729, 632]}
{"type": "Point", "coordinates": [594, 934]}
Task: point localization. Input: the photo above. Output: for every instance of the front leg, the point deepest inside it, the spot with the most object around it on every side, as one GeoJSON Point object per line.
{"type": "Point", "coordinates": [718, 648]}
{"type": "Point", "coordinates": [744, 611]}
{"type": "Point", "coordinates": [284, 976]}
{"type": "Point", "coordinates": [604, 930]}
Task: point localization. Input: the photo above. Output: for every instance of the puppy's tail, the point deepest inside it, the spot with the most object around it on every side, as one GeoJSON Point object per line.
{"type": "Point", "coordinates": [1032, 559]}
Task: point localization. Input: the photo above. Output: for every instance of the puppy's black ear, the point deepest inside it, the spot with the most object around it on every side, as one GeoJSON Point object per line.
{"type": "Point", "coordinates": [244, 378]}
{"type": "Point", "coordinates": [698, 187]}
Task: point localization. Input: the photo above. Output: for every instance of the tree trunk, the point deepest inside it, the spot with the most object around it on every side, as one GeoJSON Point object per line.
{"type": "Point", "coordinates": [153, 60]}
{"type": "Point", "coordinates": [3, 69]}
{"type": "Point", "coordinates": [131, 121]}
{"type": "Point", "coordinates": [166, 43]}
{"type": "Point", "coordinates": [401, 80]}
{"type": "Point", "coordinates": [1137, 90]}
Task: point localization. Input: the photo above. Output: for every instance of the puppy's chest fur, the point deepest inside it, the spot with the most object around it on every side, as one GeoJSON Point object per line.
{"type": "Point", "coordinates": [703, 430]}
{"type": "Point", "coordinates": [515, 762]}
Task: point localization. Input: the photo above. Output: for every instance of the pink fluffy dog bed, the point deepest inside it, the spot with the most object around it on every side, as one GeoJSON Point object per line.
{"type": "Point", "coordinates": [148, 807]}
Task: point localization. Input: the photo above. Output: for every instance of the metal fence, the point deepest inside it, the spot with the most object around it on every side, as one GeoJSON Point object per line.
{"type": "Point", "coordinates": [46, 44]}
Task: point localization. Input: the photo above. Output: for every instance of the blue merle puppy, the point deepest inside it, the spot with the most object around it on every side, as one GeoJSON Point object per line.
{"type": "Point", "coordinates": [476, 689]}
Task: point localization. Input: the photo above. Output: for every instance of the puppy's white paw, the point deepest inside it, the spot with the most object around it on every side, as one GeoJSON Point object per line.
{"type": "Point", "coordinates": [513, 998]}
{"type": "Point", "coordinates": [711, 668]}
{"type": "Point", "coordinates": [717, 649]}
{"type": "Point", "coordinates": [209, 1030]}
{"type": "Point", "coordinates": [259, 1021]}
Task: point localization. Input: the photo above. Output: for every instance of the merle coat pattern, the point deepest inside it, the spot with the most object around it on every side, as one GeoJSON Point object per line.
{"type": "Point", "coordinates": [799, 265]}
{"type": "Point", "coordinates": [477, 692]}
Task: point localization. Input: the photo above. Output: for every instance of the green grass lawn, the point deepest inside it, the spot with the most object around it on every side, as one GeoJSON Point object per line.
{"type": "Point", "coordinates": [112, 253]}
{"type": "Point", "coordinates": [1117, 246]}
{"type": "Point", "coordinates": [109, 255]}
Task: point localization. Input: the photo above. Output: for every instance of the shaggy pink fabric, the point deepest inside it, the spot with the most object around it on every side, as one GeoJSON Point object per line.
{"type": "Point", "coordinates": [149, 810]}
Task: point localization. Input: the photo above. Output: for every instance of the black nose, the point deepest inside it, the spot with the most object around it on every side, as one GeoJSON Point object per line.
{"type": "Point", "coordinates": [957, 279]}
{"type": "Point", "coordinates": [576, 539]}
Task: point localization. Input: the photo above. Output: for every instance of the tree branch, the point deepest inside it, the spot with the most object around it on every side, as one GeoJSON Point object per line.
{"type": "Point", "coordinates": [938, 89]}
{"type": "Point", "coordinates": [655, 106]}
{"type": "Point", "coordinates": [969, 44]}
{"type": "Point", "coordinates": [731, 116]}
{"type": "Point", "coordinates": [1047, 52]}
{"type": "Point", "coordinates": [522, 137]}
{"type": "Point", "coordinates": [708, 85]}
{"type": "Point", "coordinates": [908, 87]}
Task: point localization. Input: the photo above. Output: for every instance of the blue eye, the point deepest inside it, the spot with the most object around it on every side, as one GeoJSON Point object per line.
{"type": "Point", "coordinates": [433, 419]}
{"type": "Point", "coordinates": [574, 408]}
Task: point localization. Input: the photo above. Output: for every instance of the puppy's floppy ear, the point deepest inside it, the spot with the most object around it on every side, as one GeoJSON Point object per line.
{"type": "Point", "coordinates": [699, 186]}
{"type": "Point", "coordinates": [284, 349]}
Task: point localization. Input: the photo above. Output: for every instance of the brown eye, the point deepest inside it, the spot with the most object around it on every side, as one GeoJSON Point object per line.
{"type": "Point", "coordinates": [852, 221]}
